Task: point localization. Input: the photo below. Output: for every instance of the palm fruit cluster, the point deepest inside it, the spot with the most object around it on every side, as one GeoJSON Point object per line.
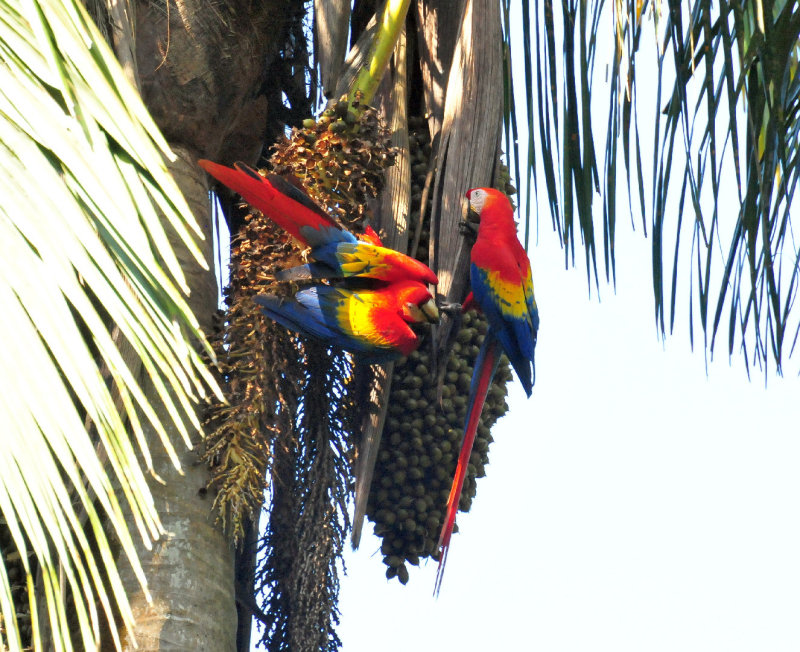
{"type": "Point", "coordinates": [251, 353]}
{"type": "Point", "coordinates": [340, 158]}
{"type": "Point", "coordinates": [420, 150]}
{"type": "Point", "coordinates": [422, 435]}
{"type": "Point", "coordinates": [420, 446]}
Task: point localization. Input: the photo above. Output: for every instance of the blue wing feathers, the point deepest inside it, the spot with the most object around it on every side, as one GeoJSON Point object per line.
{"type": "Point", "coordinates": [324, 235]}
{"type": "Point", "coordinates": [290, 314]}
{"type": "Point", "coordinates": [516, 336]}
{"type": "Point", "coordinates": [313, 312]}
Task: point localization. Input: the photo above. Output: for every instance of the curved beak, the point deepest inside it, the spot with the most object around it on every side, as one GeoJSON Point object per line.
{"type": "Point", "coordinates": [430, 311]}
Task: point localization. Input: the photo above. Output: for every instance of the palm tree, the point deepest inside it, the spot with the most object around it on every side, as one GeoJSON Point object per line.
{"type": "Point", "coordinates": [110, 340]}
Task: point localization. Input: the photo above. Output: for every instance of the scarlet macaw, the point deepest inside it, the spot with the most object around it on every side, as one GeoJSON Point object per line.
{"type": "Point", "coordinates": [337, 252]}
{"type": "Point", "coordinates": [502, 288]}
{"type": "Point", "coordinates": [373, 321]}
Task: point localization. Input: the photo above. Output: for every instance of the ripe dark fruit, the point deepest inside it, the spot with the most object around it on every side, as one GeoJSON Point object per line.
{"type": "Point", "coordinates": [419, 447]}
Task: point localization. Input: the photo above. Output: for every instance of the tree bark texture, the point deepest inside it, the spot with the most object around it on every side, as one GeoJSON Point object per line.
{"type": "Point", "coordinates": [331, 28]}
{"type": "Point", "coordinates": [437, 30]}
{"type": "Point", "coordinates": [190, 569]}
{"type": "Point", "coordinates": [203, 69]}
{"type": "Point", "coordinates": [468, 147]}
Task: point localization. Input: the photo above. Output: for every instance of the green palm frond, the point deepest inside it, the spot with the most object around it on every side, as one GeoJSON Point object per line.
{"type": "Point", "coordinates": [722, 95]}
{"type": "Point", "coordinates": [85, 205]}
{"type": "Point", "coordinates": [369, 75]}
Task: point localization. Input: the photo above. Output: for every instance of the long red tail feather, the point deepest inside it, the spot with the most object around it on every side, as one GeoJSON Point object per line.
{"type": "Point", "coordinates": [291, 213]}
{"type": "Point", "coordinates": [482, 377]}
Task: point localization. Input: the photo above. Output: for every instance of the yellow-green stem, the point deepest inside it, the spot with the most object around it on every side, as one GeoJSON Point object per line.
{"type": "Point", "coordinates": [370, 75]}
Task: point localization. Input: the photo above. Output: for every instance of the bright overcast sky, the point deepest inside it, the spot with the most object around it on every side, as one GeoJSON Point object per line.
{"type": "Point", "coordinates": [631, 504]}
{"type": "Point", "coordinates": [634, 503]}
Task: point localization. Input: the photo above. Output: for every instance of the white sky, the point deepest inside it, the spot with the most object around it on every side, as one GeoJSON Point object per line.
{"type": "Point", "coordinates": [633, 503]}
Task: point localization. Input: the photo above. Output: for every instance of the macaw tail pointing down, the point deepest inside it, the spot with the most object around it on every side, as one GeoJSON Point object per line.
{"type": "Point", "coordinates": [485, 367]}
{"type": "Point", "coordinates": [502, 288]}
{"type": "Point", "coordinates": [338, 253]}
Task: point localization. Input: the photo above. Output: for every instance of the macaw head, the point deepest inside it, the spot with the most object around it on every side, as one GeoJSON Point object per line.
{"type": "Point", "coordinates": [415, 303]}
{"type": "Point", "coordinates": [477, 198]}
{"type": "Point", "coordinates": [491, 205]}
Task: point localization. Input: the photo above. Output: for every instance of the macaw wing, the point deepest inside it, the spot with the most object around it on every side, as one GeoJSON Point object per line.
{"type": "Point", "coordinates": [364, 317]}
{"type": "Point", "coordinates": [281, 202]}
{"type": "Point", "coordinates": [347, 260]}
{"type": "Point", "coordinates": [530, 324]}
{"type": "Point", "coordinates": [290, 314]}
{"type": "Point", "coordinates": [506, 304]}
{"type": "Point", "coordinates": [372, 261]}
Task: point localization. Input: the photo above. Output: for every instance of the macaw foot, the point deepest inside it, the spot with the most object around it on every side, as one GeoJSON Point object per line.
{"type": "Point", "coordinates": [451, 309]}
{"type": "Point", "coordinates": [468, 229]}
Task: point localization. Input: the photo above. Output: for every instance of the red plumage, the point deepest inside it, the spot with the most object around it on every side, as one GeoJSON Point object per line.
{"type": "Point", "coordinates": [283, 203]}
{"type": "Point", "coordinates": [338, 253]}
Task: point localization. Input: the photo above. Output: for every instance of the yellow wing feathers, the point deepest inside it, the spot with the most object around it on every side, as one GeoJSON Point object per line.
{"type": "Point", "coordinates": [510, 297]}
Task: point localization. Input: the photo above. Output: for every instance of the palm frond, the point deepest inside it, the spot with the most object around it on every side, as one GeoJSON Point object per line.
{"type": "Point", "coordinates": [391, 22]}
{"type": "Point", "coordinates": [86, 204]}
{"type": "Point", "coordinates": [724, 109]}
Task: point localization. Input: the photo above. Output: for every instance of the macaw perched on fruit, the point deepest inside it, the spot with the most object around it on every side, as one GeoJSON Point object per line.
{"type": "Point", "coordinates": [337, 252]}
{"type": "Point", "coordinates": [502, 288]}
{"type": "Point", "coordinates": [373, 322]}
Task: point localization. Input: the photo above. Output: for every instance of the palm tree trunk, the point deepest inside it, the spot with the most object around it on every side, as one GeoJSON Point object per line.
{"type": "Point", "coordinates": [190, 569]}
{"type": "Point", "coordinates": [200, 67]}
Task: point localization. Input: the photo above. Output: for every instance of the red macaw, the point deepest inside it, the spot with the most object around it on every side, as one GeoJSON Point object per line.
{"type": "Point", "coordinates": [373, 321]}
{"type": "Point", "coordinates": [502, 288]}
{"type": "Point", "coordinates": [337, 252]}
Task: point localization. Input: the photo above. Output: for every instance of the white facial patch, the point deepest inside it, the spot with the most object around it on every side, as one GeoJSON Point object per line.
{"type": "Point", "coordinates": [477, 198]}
